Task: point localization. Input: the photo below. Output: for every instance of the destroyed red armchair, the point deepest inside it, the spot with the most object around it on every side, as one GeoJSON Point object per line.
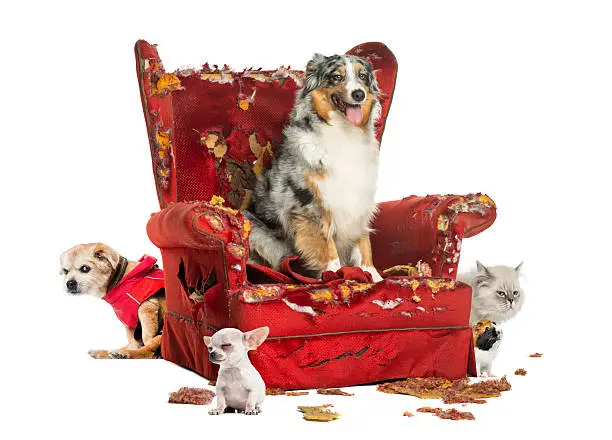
{"type": "Point", "coordinates": [212, 131]}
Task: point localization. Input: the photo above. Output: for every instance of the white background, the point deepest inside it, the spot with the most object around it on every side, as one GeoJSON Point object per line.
{"type": "Point", "coordinates": [509, 98]}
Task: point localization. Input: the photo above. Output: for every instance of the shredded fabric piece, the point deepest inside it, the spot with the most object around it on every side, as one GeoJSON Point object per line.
{"type": "Point", "coordinates": [388, 304]}
{"type": "Point", "coordinates": [453, 414]}
{"type": "Point", "coordinates": [536, 355]}
{"type": "Point", "coordinates": [520, 372]}
{"type": "Point", "coordinates": [275, 392]}
{"type": "Point", "coordinates": [318, 413]}
{"type": "Point", "coordinates": [449, 414]}
{"type": "Point", "coordinates": [457, 391]}
{"type": "Point", "coordinates": [429, 409]}
{"type": "Point", "coordinates": [333, 392]}
{"type": "Point", "coordinates": [193, 396]}
{"type": "Point", "coordinates": [302, 309]}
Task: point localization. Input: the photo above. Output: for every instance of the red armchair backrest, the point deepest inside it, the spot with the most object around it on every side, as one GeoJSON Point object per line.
{"type": "Point", "coordinates": [212, 131]}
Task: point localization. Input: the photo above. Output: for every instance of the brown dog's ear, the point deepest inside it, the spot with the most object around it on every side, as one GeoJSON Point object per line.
{"type": "Point", "coordinates": [207, 340]}
{"type": "Point", "coordinates": [255, 338]}
{"type": "Point", "coordinates": [106, 254]}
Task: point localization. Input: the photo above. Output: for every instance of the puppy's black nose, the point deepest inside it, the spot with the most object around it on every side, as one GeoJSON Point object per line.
{"type": "Point", "coordinates": [71, 285]}
{"type": "Point", "coordinates": [358, 95]}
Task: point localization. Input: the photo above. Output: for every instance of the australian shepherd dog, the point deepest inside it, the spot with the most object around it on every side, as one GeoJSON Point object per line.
{"type": "Point", "coordinates": [317, 198]}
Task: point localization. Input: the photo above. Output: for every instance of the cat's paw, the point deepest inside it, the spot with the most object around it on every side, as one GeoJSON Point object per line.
{"type": "Point", "coordinates": [334, 265]}
{"type": "Point", "coordinates": [252, 412]}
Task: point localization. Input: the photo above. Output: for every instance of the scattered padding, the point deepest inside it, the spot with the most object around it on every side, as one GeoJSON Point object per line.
{"type": "Point", "coordinates": [333, 392]}
{"type": "Point", "coordinates": [450, 414]}
{"type": "Point", "coordinates": [279, 392]}
{"type": "Point", "coordinates": [318, 413]}
{"type": "Point", "coordinates": [192, 396]}
{"type": "Point", "coordinates": [275, 392]}
{"type": "Point", "coordinates": [457, 391]}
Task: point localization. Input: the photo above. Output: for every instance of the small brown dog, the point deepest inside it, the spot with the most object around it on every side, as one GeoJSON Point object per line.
{"type": "Point", "coordinates": [135, 289]}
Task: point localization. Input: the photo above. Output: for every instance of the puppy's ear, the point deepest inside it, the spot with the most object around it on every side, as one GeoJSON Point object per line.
{"type": "Point", "coordinates": [106, 254]}
{"type": "Point", "coordinates": [255, 338]}
{"type": "Point", "coordinates": [207, 340]}
{"type": "Point", "coordinates": [312, 80]}
{"type": "Point", "coordinates": [62, 262]}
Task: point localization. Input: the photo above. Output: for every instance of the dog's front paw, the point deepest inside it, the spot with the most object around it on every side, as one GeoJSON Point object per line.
{"type": "Point", "coordinates": [215, 412]}
{"type": "Point", "coordinates": [334, 265]}
{"type": "Point", "coordinates": [118, 354]}
{"type": "Point", "coordinates": [99, 354]}
{"type": "Point", "coordinates": [252, 412]}
{"type": "Point", "coordinates": [375, 275]}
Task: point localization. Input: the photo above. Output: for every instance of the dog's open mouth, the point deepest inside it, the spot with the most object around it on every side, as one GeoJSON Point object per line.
{"type": "Point", "coordinates": [352, 112]}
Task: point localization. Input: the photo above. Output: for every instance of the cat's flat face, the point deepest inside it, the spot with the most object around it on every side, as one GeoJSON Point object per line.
{"type": "Point", "coordinates": [499, 292]}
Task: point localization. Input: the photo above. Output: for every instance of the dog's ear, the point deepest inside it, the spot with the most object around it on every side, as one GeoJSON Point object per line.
{"type": "Point", "coordinates": [106, 254]}
{"type": "Point", "coordinates": [315, 62]}
{"type": "Point", "coordinates": [311, 77]}
{"type": "Point", "coordinates": [207, 340]}
{"type": "Point", "coordinates": [63, 262]}
{"type": "Point", "coordinates": [255, 338]}
{"type": "Point", "coordinates": [517, 269]}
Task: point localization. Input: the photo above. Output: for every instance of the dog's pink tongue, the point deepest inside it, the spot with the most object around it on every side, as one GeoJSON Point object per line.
{"type": "Point", "coordinates": [353, 114]}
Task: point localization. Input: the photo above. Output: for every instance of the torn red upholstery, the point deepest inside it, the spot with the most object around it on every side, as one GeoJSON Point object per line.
{"type": "Point", "coordinates": [212, 131]}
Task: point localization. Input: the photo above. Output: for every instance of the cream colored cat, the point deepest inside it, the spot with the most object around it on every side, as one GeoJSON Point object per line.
{"type": "Point", "coordinates": [496, 292]}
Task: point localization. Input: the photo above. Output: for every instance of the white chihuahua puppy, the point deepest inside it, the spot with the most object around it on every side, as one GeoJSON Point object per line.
{"type": "Point", "coordinates": [239, 384]}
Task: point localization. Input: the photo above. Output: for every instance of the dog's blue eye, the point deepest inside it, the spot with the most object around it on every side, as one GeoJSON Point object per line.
{"type": "Point", "coordinates": [85, 269]}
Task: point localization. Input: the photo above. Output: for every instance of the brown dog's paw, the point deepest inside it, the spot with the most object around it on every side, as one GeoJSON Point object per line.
{"type": "Point", "coordinates": [118, 354]}
{"type": "Point", "coordinates": [99, 354]}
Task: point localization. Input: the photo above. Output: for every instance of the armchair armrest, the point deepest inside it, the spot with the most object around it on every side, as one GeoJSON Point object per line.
{"type": "Point", "coordinates": [208, 231]}
{"type": "Point", "coordinates": [429, 229]}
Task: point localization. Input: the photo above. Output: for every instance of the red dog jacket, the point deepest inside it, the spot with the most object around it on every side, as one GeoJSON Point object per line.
{"type": "Point", "coordinates": [137, 286]}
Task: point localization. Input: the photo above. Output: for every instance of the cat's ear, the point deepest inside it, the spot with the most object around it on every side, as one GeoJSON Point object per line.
{"type": "Point", "coordinates": [484, 277]}
{"type": "Point", "coordinates": [517, 269]}
{"type": "Point", "coordinates": [483, 269]}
